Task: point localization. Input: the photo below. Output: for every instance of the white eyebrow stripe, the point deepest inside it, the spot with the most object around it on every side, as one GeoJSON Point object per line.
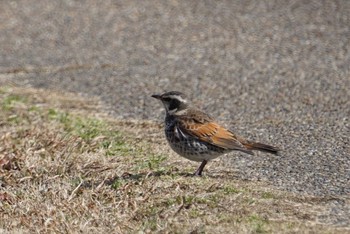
{"type": "Point", "coordinates": [178, 97]}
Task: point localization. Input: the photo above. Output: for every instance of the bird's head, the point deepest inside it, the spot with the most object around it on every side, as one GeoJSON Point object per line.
{"type": "Point", "coordinates": [173, 101]}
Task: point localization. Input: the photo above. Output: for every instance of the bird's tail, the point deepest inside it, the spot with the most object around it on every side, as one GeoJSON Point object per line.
{"type": "Point", "coordinates": [261, 147]}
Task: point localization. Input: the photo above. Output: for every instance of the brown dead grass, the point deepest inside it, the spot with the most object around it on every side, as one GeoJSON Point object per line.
{"type": "Point", "coordinates": [65, 167]}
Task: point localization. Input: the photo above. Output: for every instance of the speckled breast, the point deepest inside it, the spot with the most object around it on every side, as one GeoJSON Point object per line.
{"type": "Point", "coordinates": [188, 146]}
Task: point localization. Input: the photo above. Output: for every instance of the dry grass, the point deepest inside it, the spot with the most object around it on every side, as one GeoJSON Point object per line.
{"type": "Point", "coordinates": [66, 168]}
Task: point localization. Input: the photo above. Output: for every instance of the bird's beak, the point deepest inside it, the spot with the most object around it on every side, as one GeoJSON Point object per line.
{"type": "Point", "coordinates": [156, 96]}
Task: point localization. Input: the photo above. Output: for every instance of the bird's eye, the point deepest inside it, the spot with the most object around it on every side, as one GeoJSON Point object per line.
{"type": "Point", "coordinates": [167, 99]}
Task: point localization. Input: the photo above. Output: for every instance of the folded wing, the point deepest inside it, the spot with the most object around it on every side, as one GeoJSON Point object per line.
{"type": "Point", "coordinates": [204, 128]}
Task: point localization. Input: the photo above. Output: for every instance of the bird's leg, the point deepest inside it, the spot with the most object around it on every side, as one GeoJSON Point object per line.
{"type": "Point", "coordinates": [200, 168]}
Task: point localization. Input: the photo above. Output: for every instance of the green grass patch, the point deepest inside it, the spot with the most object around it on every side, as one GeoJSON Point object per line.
{"type": "Point", "coordinates": [9, 101]}
{"type": "Point", "coordinates": [230, 190]}
{"type": "Point", "coordinates": [268, 195]}
{"type": "Point", "coordinates": [85, 127]}
{"type": "Point", "coordinates": [92, 131]}
{"type": "Point", "coordinates": [258, 224]}
{"type": "Point", "coordinates": [153, 162]}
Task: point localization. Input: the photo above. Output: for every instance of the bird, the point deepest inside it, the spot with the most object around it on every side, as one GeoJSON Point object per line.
{"type": "Point", "coordinates": [195, 135]}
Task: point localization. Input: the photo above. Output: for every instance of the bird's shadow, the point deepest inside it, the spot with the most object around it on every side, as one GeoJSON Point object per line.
{"type": "Point", "coordinates": [139, 177]}
{"type": "Point", "coordinates": [175, 174]}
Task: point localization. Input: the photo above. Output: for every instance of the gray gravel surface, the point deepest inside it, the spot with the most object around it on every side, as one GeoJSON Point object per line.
{"type": "Point", "coordinates": [274, 71]}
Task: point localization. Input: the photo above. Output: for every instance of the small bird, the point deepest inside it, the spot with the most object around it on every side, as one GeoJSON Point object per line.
{"type": "Point", "coordinates": [196, 136]}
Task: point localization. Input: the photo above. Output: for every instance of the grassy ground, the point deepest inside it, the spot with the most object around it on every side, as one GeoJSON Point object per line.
{"type": "Point", "coordinates": [65, 167]}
